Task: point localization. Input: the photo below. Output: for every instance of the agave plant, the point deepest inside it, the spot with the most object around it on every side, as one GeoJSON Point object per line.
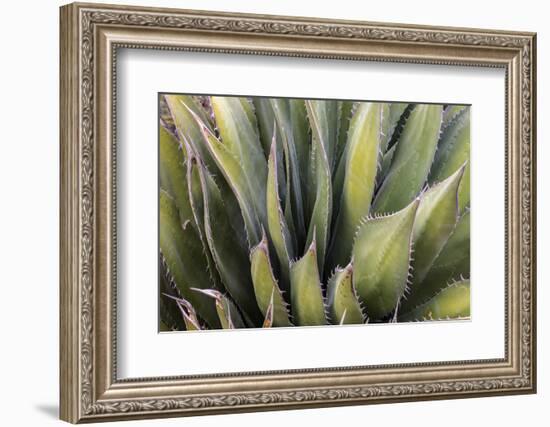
{"type": "Point", "coordinates": [283, 212]}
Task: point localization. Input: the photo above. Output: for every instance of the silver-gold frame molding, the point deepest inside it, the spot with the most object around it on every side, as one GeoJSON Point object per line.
{"type": "Point", "coordinates": [90, 37]}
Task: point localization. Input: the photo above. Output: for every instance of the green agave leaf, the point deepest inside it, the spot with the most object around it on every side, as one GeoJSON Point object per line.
{"type": "Point", "coordinates": [452, 263]}
{"type": "Point", "coordinates": [248, 108]}
{"type": "Point", "coordinates": [190, 319]}
{"type": "Point", "coordinates": [188, 314]}
{"type": "Point", "coordinates": [311, 176]}
{"type": "Point", "coordinates": [190, 118]}
{"type": "Point", "coordinates": [169, 311]}
{"type": "Point", "coordinates": [172, 173]}
{"type": "Point", "coordinates": [165, 116]}
{"type": "Point", "coordinates": [268, 295]}
{"type": "Point", "coordinates": [267, 127]}
{"type": "Point", "coordinates": [196, 197]}
{"type": "Point", "coordinates": [232, 263]}
{"type": "Point", "coordinates": [453, 151]}
{"type": "Point", "coordinates": [343, 305]}
{"type": "Point", "coordinates": [412, 159]}
{"type": "Point", "coordinates": [266, 118]}
{"type": "Point", "coordinates": [453, 302]}
{"type": "Point", "coordinates": [386, 164]}
{"type": "Point", "coordinates": [300, 132]}
{"type": "Point", "coordinates": [182, 250]}
{"type": "Point", "coordinates": [435, 220]}
{"type": "Point", "coordinates": [361, 166]}
{"type": "Point", "coordinates": [308, 308]}
{"type": "Point", "coordinates": [345, 112]}
{"type": "Point", "coordinates": [391, 116]}
{"type": "Point", "coordinates": [451, 112]}
{"type": "Point", "coordinates": [325, 115]}
{"type": "Point", "coordinates": [239, 134]}
{"type": "Point", "coordinates": [230, 166]}
{"type": "Point", "coordinates": [181, 107]}
{"type": "Point", "coordinates": [381, 255]}
{"type": "Point", "coordinates": [294, 202]}
{"type": "Point", "coordinates": [226, 309]}
{"type": "Point", "coordinates": [322, 209]}
{"type": "Point", "coordinates": [278, 229]}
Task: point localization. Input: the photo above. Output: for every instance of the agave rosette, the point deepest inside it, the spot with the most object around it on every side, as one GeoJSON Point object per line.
{"type": "Point", "coordinates": [292, 212]}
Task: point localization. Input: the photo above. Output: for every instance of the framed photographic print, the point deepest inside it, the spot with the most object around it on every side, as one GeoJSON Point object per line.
{"type": "Point", "coordinates": [267, 212]}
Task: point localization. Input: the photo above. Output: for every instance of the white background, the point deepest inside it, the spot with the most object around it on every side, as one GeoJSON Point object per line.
{"type": "Point", "coordinates": [29, 171]}
{"type": "Point", "coordinates": [144, 73]}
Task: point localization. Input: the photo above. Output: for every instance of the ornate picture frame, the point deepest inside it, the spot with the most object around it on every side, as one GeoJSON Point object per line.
{"type": "Point", "coordinates": [90, 37]}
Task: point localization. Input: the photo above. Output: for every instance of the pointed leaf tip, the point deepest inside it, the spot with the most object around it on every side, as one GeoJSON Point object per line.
{"type": "Point", "coordinates": [381, 253]}
{"type": "Point", "coordinates": [435, 220]}
{"type": "Point", "coordinates": [305, 291]}
{"type": "Point", "coordinates": [266, 289]}
{"type": "Point", "coordinates": [342, 303]}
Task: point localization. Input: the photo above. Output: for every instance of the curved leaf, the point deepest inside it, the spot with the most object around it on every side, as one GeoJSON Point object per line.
{"type": "Point", "coordinates": [435, 220]}
{"type": "Point", "coordinates": [453, 302]}
{"type": "Point", "coordinates": [196, 198]}
{"type": "Point", "coordinates": [450, 113]}
{"type": "Point", "coordinates": [225, 308]}
{"type": "Point", "coordinates": [392, 117]}
{"type": "Point", "coordinates": [268, 294]}
{"type": "Point", "coordinates": [182, 109]}
{"type": "Point", "coordinates": [343, 305]}
{"type": "Point", "coordinates": [189, 118]}
{"type": "Point", "coordinates": [381, 255]}
{"type": "Point", "coordinates": [266, 118]}
{"type": "Point", "coordinates": [239, 134]}
{"type": "Point", "coordinates": [182, 250]}
{"type": "Point", "coordinates": [189, 315]}
{"type": "Point", "coordinates": [294, 209]}
{"type": "Point", "coordinates": [452, 263]}
{"type": "Point", "coordinates": [169, 312]}
{"type": "Point", "coordinates": [361, 166]}
{"type": "Point", "coordinates": [308, 308]}
{"type": "Point", "coordinates": [345, 113]}
{"type": "Point", "coordinates": [300, 131]}
{"type": "Point", "coordinates": [322, 209]}
{"type": "Point", "coordinates": [235, 176]}
{"type": "Point", "coordinates": [278, 229]}
{"type": "Point", "coordinates": [232, 263]}
{"type": "Point", "coordinates": [412, 159]}
{"type": "Point", "coordinates": [453, 151]}
{"type": "Point", "coordinates": [325, 115]}
{"type": "Point", "coordinates": [172, 173]}
{"type": "Point", "coordinates": [386, 163]}
{"type": "Point", "coordinates": [390, 121]}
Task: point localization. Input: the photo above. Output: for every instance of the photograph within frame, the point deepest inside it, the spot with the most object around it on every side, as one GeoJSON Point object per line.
{"type": "Point", "coordinates": [279, 212]}
{"type": "Point", "coordinates": [90, 388]}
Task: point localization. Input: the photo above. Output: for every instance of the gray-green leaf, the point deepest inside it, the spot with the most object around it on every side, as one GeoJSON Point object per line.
{"type": "Point", "coordinates": [412, 159]}
{"type": "Point", "coordinates": [266, 288]}
{"type": "Point", "coordinates": [182, 250]}
{"type": "Point", "coordinates": [381, 255]}
{"type": "Point", "coordinates": [453, 302]}
{"type": "Point", "coordinates": [342, 302]}
{"type": "Point", "coordinates": [308, 308]}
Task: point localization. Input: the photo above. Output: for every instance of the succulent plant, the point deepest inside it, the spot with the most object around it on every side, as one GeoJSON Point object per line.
{"type": "Point", "coordinates": [289, 212]}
